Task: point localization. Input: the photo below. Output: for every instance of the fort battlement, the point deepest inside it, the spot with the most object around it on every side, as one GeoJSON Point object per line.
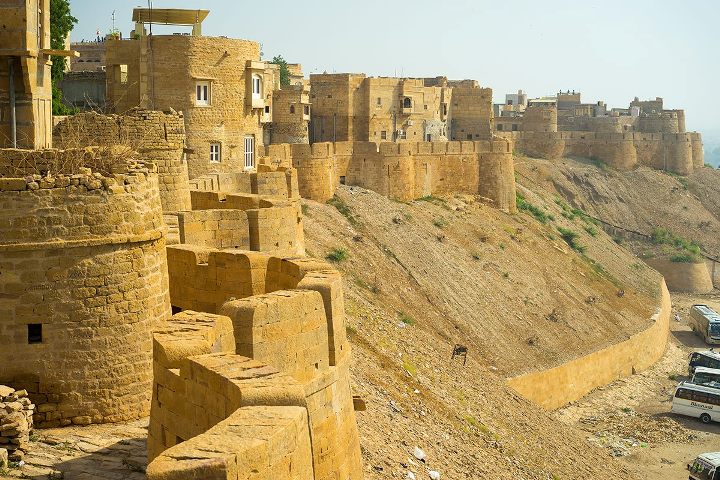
{"type": "Point", "coordinates": [84, 283]}
{"type": "Point", "coordinates": [680, 153]}
{"type": "Point", "coordinates": [158, 136]}
{"type": "Point", "coordinates": [404, 171]}
{"type": "Point", "coordinates": [266, 368]}
{"type": "Point", "coordinates": [257, 211]}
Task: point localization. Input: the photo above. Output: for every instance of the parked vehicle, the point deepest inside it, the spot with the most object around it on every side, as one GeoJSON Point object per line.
{"type": "Point", "coordinates": [697, 401]}
{"type": "Point", "coordinates": [706, 322]}
{"type": "Point", "coordinates": [706, 376]}
{"type": "Point", "coordinates": [705, 467]}
{"type": "Point", "coordinates": [707, 358]}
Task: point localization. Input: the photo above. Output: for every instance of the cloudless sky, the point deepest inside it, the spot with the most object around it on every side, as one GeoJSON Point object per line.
{"type": "Point", "coordinates": [611, 50]}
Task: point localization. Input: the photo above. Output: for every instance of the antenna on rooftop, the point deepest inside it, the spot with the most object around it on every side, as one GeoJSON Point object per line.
{"type": "Point", "coordinates": [113, 21]}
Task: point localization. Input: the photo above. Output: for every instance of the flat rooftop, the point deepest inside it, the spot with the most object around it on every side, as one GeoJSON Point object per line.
{"type": "Point", "coordinates": [169, 16]}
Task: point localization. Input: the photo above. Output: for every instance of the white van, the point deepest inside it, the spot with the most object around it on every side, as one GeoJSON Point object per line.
{"type": "Point", "coordinates": [697, 401]}
{"type": "Point", "coordinates": [705, 467]}
{"type": "Point", "coordinates": [710, 377]}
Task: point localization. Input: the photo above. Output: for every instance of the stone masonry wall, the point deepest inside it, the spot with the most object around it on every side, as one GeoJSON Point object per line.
{"type": "Point", "coordinates": [680, 153]}
{"type": "Point", "coordinates": [266, 368]}
{"type": "Point", "coordinates": [163, 71]}
{"type": "Point", "coordinates": [83, 284]}
{"type": "Point", "coordinates": [570, 381]}
{"type": "Point", "coordinates": [403, 171]}
{"type": "Point", "coordinates": [158, 136]}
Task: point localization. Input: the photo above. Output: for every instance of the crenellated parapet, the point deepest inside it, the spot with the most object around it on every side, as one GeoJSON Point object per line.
{"type": "Point", "coordinates": [262, 377]}
{"type": "Point", "coordinates": [404, 171]}
{"type": "Point", "coordinates": [257, 211]}
{"type": "Point", "coordinates": [680, 153]}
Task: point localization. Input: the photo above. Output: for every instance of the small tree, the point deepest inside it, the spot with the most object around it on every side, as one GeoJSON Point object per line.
{"type": "Point", "coordinates": [61, 23]}
{"type": "Point", "coordinates": [284, 70]}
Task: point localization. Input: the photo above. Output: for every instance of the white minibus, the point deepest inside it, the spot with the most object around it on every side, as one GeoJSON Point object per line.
{"type": "Point", "coordinates": [697, 401]}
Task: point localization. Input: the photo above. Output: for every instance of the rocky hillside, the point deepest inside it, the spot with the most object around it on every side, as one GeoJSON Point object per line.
{"type": "Point", "coordinates": [645, 200]}
{"type": "Point", "coordinates": [522, 292]}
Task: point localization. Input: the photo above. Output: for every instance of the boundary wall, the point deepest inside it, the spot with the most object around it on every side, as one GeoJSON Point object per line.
{"type": "Point", "coordinates": [683, 276]}
{"type": "Point", "coordinates": [257, 211]}
{"type": "Point", "coordinates": [158, 136]}
{"type": "Point", "coordinates": [403, 171]}
{"type": "Point", "coordinates": [84, 283]}
{"type": "Point", "coordinates": [259, 386]}
{"type": "Point", "coordinates": [558, 386]}
{"type": "Point", "coordinates": [680, 153]}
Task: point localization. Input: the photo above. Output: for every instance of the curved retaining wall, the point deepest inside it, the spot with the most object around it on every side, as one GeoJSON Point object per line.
{"type": "Point", "coordinates": [82, 257]}
{"type": "Point", "coordinates": [683, 277]}
{"type": "Point", "coordinates": [571, 381]}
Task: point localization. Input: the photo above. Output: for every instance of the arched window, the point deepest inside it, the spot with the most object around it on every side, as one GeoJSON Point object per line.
{"type": "Point", "coordinates": [256, 86]}
{"type": "Point", "coordinates": [292, 108]}
{"type": "Point", "coordinates": [407, 103]}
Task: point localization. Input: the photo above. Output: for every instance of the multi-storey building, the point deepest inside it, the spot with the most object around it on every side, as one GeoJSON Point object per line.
{"type": "Point", "coordinates": [220, 84]}
{"type": "Point", "coordinates": [353, 107]}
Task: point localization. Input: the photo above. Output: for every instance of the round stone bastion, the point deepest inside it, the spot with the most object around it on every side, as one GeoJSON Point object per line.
{"type": "Point", "coordinates": [83, 283]}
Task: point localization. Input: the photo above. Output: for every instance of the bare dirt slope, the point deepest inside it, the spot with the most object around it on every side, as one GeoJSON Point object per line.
{"type": "Point", "coordinates": [642, 199]}
{"type": "Point", "coordinates": [423, 276]}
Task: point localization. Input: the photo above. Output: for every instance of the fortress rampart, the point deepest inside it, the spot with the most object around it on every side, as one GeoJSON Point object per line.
{"type": "Point", "coordinates": [403, 171]}
{"type": "Point", "coordinates": [680, 153]}
{"type": "Point", "coordinates": [257, 211]}
{"type": "Point", "coordinates": [258, 384]}
{"type": "Point", "coordinates": [83, 284]}
{"type": "Point", "coordinates": [158, 136]}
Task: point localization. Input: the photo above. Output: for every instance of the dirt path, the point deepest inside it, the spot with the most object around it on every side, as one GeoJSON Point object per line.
{"type": "Point", "coordinates": [632, 418]}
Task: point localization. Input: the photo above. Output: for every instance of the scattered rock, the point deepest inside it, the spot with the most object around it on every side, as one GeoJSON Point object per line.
{"type": "Point", "coordinates": [419, 454]}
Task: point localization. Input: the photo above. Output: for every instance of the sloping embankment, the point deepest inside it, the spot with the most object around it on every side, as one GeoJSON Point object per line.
{"type": "Point", "coordinates": [571, 381]}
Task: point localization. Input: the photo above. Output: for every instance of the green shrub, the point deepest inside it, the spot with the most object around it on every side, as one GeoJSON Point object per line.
{"type": "Point", "coordinates": [439, 222]}
{"type": "Point", "coordinates": [305, 210]}
{"type": "Point", "coordinates": [406, 319]}
{"type": "Point", "coordinates": [685, 258]}
{"type": "Point", "coordinates": [343, 208]}
{"type": "Point", "coordinates": [571, 238]}
{"type": "Point", "coordinates": [432, 199]}
{"type": "Point", "coordinates": [337, 255]}
{"type": "Point", "coordinates": [592, 231]}
{"type": "Point", "coordinates": [662, 236]}
{"type": "Point", "coordinates": [536, 212]}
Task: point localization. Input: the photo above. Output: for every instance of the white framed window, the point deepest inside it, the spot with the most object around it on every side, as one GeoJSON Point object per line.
{"type": "Point", "coordinates": [202, 93]}
{"type": "Point", "coordinates": [215, 152]}
{"type": "Point", "coordinates": [250, 151]}
{"type": "Point", "coordinates": [256, 86]}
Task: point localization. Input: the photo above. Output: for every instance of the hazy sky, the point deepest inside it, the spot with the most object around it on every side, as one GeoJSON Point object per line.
{"type": "Point", "coordinates": [610, 50]}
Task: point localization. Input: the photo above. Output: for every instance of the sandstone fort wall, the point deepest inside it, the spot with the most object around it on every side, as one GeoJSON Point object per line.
{"type": "Point", "coordinates": [265, 370]}
{"type": "Point", "coordinates": [404, 171]}
{"type": "Point", "coordinates": [83, 285]}
{"type": "Point", "coordinates": [158, 136]}
{"type": "Point", "coordinates": [571, 381]}
{"type": "Point", "coordinates": [676, 152]}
